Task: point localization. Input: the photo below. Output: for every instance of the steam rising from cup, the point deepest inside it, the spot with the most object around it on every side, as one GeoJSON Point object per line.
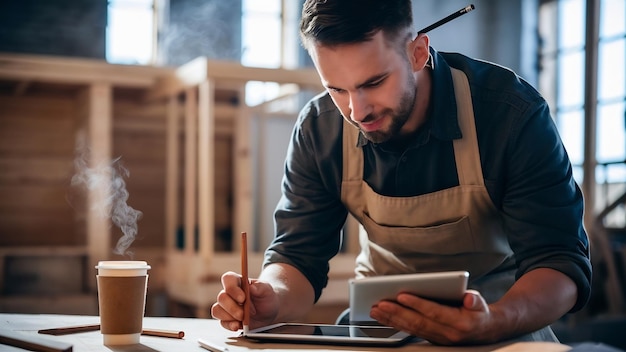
{"type": "Point", "coordinates": [113, 203]}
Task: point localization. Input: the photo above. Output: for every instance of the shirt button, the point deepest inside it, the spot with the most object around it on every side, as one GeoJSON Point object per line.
{"type": "Point", "coordinates": [403, 159]}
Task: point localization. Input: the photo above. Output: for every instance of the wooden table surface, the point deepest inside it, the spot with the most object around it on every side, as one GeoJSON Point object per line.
{"type": "Point", "coordinates": [27, 325]}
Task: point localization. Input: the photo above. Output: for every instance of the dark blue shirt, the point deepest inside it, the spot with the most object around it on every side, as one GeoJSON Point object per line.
{"type": "Point", "coordinates": [525, 167]}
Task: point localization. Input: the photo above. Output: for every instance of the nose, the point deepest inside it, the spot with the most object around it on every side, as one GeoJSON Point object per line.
{"type": "Point", "coordinates": [359, 106]}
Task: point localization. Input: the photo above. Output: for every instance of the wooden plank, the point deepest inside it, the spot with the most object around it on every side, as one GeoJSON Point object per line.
{"type": "Point", "coordinates": [98, 102]}
{"type": "Point", "coordinates": [44, 275]}
{"type": "Point", "coordinates": [49, 228]}
{"type": "Point", "coordinates": [43, 251]}
{"type": "Point", "coordinates": [42, 108]}
{"type": "Point", "coordinates": [243, 208]}
{"type": "Point", "coordinates": [34, 197]}
{"type": "Point", "coordinates": [138, 125]}
{"type": "Point", "coordinates": [35, 144]}
{"type": "Point", "coordinates": [155, 111]}
{"type": "Point", "coordinates": [199, 69]}
{"type": "Point", "coordinates": [171, 178]}
{"type": "Point", "coordinates": [36, 127]}
{"type": "Point", "coordinates": [191, 159]}
{"type": "Point", "coordinates": [234, 71]}
{"type": "Point", "coordinates": [139, 117]}
{"type": "Point", "coordinates": [145, 177]}
{"type": "Point", "coordinates": [85, 304]}
{"type": "Point", "coordinates": [139, 147]}
{"type": "Point", "coordinates": [206, 167]}
{"type": "Point", "coordinates": [140, 110]}
{"type": "Point", "coordinates": [81, 71]}
{"type": "Point", "coordinates": [35, 169]}
{"type": "Point", "coordinates": [223, 123]}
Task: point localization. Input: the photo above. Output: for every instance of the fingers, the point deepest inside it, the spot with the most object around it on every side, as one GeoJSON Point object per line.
{"type": "Point", "coordinates": [232, 285]}
{"type": "Point", "coordinates": [433, 321]}
{"type": "Point", "coordinates": [219, 313]}
{"type": "Point", "coordinates": [226, 319]}
{"type": "Point", "coordinates": [228, 308]}
{"type": "Point", "coordinates": [473, 300]}
{"type": "Point", "coordinates": [415, 313]}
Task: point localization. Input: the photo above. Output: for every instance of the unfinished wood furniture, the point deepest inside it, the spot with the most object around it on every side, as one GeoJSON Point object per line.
{"type": "Point", "coordinates": [48, 228]}
{"type": "Point", "coordinates": [185, 136]}
{"type": "Point", "coordinates": [213, 92]}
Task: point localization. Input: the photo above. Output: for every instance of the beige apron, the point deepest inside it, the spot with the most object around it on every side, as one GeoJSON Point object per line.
{"type": "Point", "coordinates": [452, 229]}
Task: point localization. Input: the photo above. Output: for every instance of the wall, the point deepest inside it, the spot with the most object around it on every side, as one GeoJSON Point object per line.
{"type": "Point", "coordinates": [77, 28]}
{"type": "Point", "coordinates": [193, 28]}
{"type": "Point", "coordinates": [37, 144]}
{"type": "Point", "coordinates": [503, 32]}
{"type": "Point", "coordinates": [500, 31]}
{"type": "Point", "coordinates": [62, 27]}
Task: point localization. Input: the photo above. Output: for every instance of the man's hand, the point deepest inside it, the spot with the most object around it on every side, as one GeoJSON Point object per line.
{"type": "Point", "coordinates": [537, 299]}
{"type": "Point", "coordinates": [437, 323]}
{"type": "Point", "coordinates": [229, 306]}
{"type": "Point", "coordinates": [280, 294]}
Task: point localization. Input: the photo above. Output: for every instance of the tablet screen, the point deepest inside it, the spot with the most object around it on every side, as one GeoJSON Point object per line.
{"type": "Point", "coordinates": [332, 330]}
{"type": "Point", "coordinates": [330, 334]}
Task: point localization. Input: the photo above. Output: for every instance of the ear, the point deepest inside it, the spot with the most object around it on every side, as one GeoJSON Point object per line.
{"type": "Point", "coordinates": [418, 52]}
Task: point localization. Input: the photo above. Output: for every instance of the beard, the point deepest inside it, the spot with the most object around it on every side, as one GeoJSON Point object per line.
{"type": "Point", "coordinates": [398, 116]}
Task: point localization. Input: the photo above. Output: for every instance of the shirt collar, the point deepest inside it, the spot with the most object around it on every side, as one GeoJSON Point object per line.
{"type": "Point", "coordinates": [445, 123]}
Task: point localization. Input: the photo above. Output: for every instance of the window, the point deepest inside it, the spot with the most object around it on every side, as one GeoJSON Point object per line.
{"type": "Point", "coordinates": [562, 81]}
{"type": "Point", "coordinates": [612, 89]}
{"type": "Point", "coordinates": [130, 32]}
{"type": "Point", "coordinates": [261, 40]}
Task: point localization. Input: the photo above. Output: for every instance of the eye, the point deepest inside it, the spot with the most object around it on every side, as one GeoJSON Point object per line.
{"type": "Point", "coordinates": [375, 83]}
{"type": "Point", "coordinates": [335, 90]}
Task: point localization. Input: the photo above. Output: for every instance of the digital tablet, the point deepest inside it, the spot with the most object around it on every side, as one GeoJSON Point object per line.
{"type": "Point", "coordinates": [330, 334]}
{"type": "Point", "coordinates": [446, 287]}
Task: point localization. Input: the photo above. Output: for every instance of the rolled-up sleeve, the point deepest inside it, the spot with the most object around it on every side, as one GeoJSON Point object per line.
{"type": "Point", "coordinates": [309, 216]}
{"type": "Point", "coordinates": [542, 205]}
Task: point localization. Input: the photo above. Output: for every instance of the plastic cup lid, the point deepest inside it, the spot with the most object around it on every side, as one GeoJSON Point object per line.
{"type": "Point", "coordinates": [122, 264]}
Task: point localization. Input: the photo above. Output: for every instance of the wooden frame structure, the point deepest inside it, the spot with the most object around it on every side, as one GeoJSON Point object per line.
{"type": "Point", "coordinates": [198, 83]}
{"type": "Point", "coordinates": [194, 103]}
{"type": "Point", "coordinates": [95, 107]}
{"type": "Point", "coordinates": [89, 87]}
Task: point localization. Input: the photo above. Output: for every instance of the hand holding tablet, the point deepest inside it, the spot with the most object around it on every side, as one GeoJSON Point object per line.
{"type": "Point", "coordinates": [445, 287]}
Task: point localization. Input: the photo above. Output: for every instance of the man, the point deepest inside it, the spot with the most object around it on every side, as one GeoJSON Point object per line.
{"type": "Point", "coordinates": [448, 163]}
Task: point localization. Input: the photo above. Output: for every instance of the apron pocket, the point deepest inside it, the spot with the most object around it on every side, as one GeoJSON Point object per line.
{"type": "Point", "coordinates": [448, 238]}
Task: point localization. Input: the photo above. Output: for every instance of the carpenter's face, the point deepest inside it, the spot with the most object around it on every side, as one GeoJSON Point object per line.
{"type": "Point", "coordinates": [372, 84]}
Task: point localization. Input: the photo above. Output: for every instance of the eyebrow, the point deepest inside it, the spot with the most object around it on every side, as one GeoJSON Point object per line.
{"type": "Point", "coordinates": [367, 82]}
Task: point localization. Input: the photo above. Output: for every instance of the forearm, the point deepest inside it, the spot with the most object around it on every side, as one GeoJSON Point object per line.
{"type": "Point", "coordinates": [295, 293]}
{"type": "Point", "coordinates": [537, 299]}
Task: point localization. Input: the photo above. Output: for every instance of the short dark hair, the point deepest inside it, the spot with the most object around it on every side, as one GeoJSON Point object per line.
{"type": "Point", "coordinates": [334, 22]}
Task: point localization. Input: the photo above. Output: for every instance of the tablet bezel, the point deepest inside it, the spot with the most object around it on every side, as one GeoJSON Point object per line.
{"type": "Point", "coordinates": [447, 287]}
{"type": "Point", "coordinates": [262, 335]}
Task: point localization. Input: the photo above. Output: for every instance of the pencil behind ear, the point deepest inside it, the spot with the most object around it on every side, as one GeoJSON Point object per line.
{"type": "Point", "coordinates": [418, 51]}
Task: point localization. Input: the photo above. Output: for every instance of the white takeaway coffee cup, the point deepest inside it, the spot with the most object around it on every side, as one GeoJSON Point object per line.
{"type": "Point", "coordinates": [122, 287]}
